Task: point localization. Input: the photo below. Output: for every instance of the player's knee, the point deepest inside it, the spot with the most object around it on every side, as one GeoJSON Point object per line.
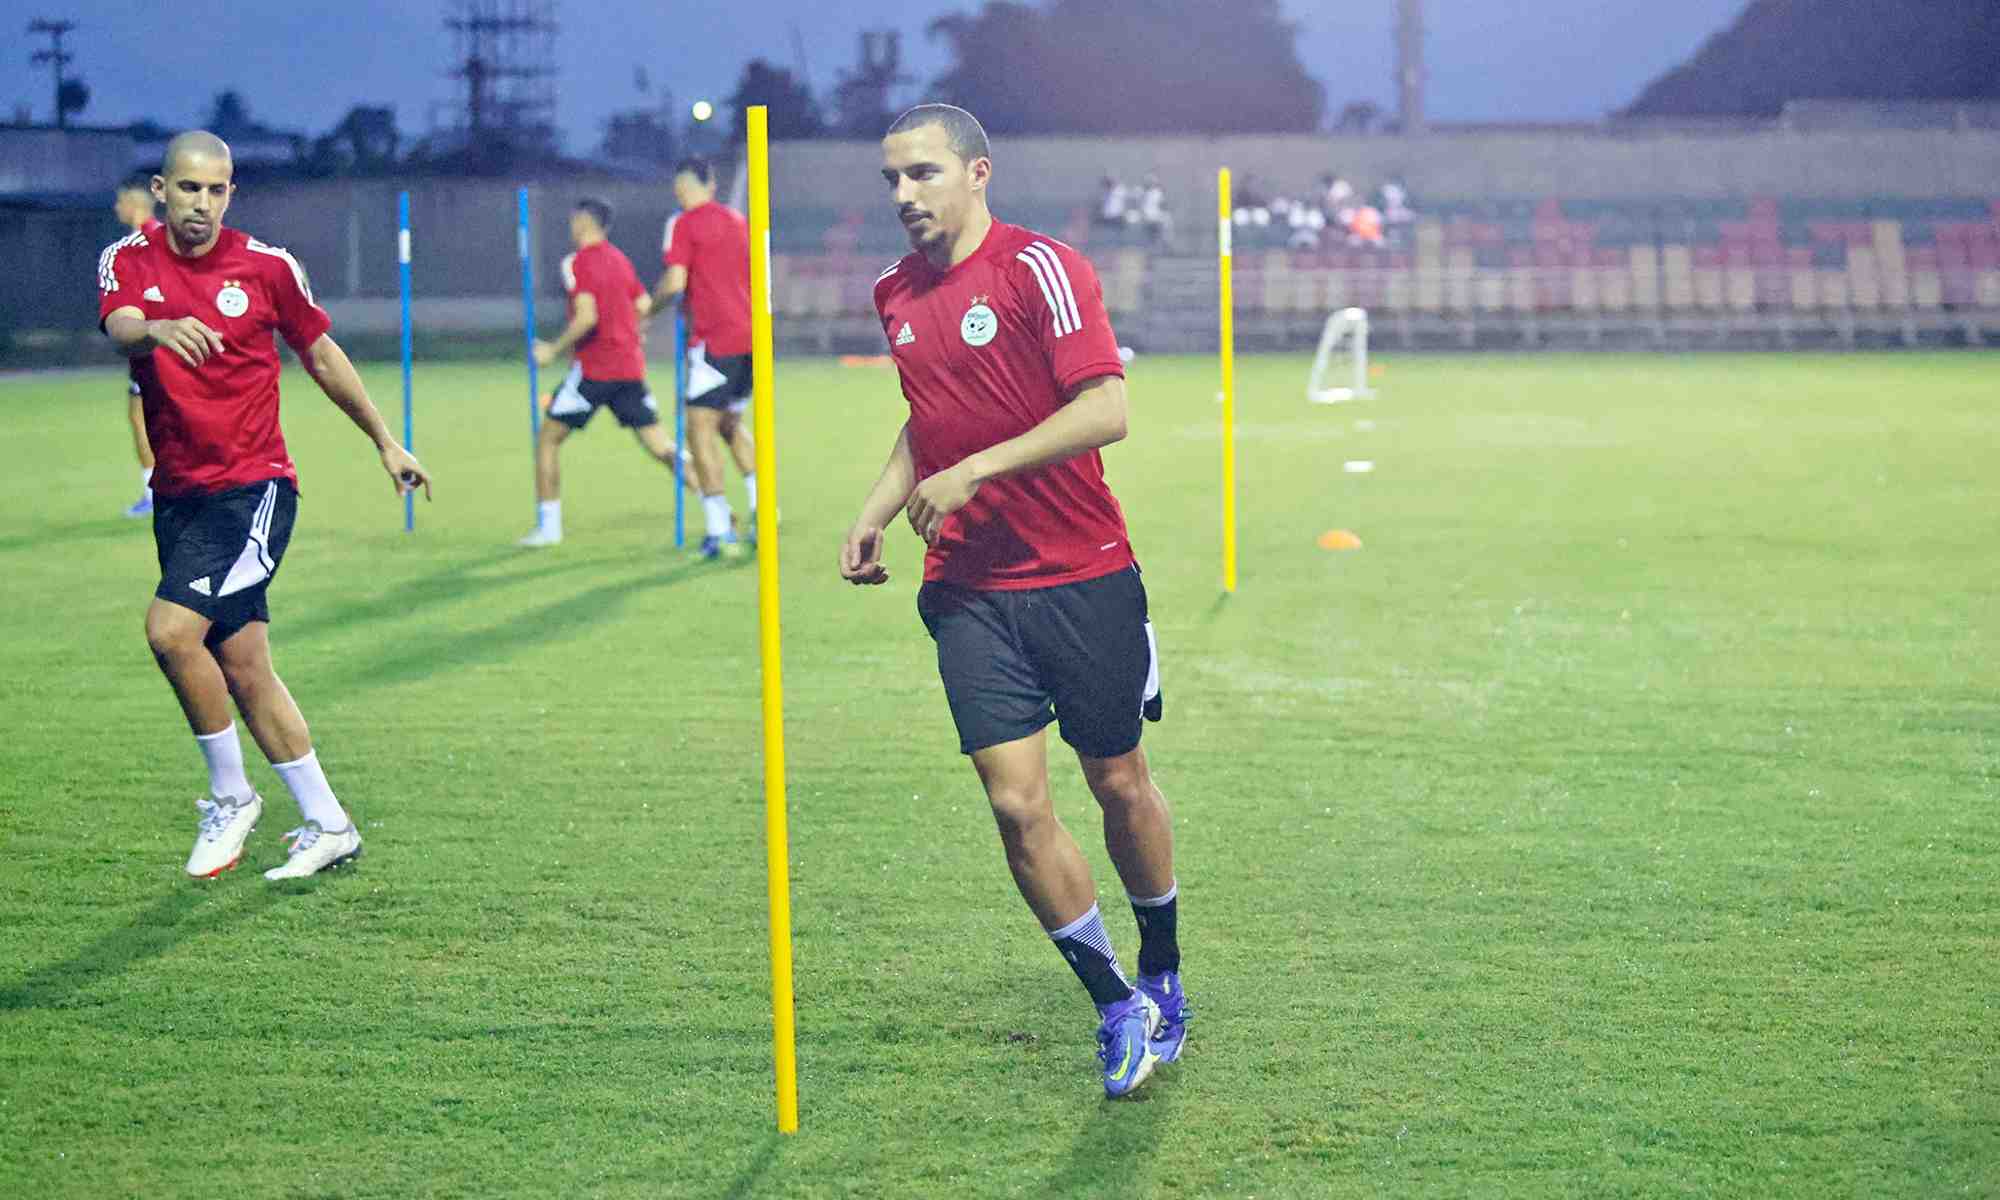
{"type": "Point", "coordinates": [1120, 782]}
{"type": "Point", "coordinates": [169, 639]}
{"type": "Point", "coordinates": [1018, 809]}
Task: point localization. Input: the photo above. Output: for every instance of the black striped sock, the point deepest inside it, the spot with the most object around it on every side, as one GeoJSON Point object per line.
{"type": "Point", "coordinates": [1087, 949]}
{"type": "Point", "coordinates": [1159, 945]}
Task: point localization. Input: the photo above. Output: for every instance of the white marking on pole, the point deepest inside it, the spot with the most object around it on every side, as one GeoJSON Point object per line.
{"type": "Point", "coordinates": [402, 245]}
{"type": "Point", "coordinates": [1223, 234]}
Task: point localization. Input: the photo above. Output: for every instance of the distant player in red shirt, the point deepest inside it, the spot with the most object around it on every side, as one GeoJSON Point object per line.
{"type": "Point", "coordinates": [606, 302]}
{"type": "Point", "coordinates": [1030, 589]}
{"type": "Point", "coordinates": [706, 251]}
{"type": "Point", "coordinates": [194, 306]}
{"type": "Point", "coordinates": [134, 206]}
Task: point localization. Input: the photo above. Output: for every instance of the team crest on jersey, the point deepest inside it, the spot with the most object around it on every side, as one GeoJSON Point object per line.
{"type": "Point", "coordinates": [232, 301]}
{"type": "Point", "coordinates": [979, 324]}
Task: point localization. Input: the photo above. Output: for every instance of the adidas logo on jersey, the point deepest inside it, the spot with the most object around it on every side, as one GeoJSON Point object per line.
{"type": "Point", "coordinates": [201, 586]}
{"type": "Point", "coordinates": [906, 335]}
{"type": "Point", "coordinates": [153, 294]}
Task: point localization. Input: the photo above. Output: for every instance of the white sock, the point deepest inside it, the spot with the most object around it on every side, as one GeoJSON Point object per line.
{"type": "Point", "coordinates": [224, 754]}
{"type": "Point", "coordinates": [715, 510]}
{"type": "Point", "coordinates": [548, 517]}
{"type": "Point", "coordinates": [311, 790]}
{"type": "Point", "coordinates": [146, 481]}
{"type": "Point", "coordinates": [750, 487]}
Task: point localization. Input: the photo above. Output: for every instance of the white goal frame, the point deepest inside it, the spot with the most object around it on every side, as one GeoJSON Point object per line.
{"type": "Point", "coordinates": [1348, 326]}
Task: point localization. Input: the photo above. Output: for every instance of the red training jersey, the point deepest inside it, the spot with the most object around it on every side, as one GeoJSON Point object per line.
{"type": "Point", "coordinates": [215, 426]}
{"type": "Point", "coordinates": [612, 350]}
{"type": "Point", "coordinates": [713, 242]}
{"type": "Point", "coordinates": [988, 350]}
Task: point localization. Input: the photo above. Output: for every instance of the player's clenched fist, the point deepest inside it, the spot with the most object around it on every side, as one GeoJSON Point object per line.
{"type": "Point", "coordinates": [193, 341]}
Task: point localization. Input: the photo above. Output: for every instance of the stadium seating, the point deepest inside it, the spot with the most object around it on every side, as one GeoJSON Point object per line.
{"type": "Point", "coordinates": [1665, 268]}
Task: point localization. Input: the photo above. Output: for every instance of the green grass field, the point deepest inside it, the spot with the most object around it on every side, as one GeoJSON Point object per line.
{"type": "Point", "coordinates": [1623, 819]}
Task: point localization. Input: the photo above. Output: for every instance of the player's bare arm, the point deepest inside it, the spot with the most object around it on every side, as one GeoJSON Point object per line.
{"type": "Point", "coordinates": [1093, 417]}
{"type": "Point", "coordinates": [328, 364]}
{"type": "Point", "coordinates": [187, 337]}
{"type": "Point", "coordinates": [581, 322]}
{"type": "Point", "coordinates": [670, 288]}
{"type": "Point", "coordinates": [861, 555]}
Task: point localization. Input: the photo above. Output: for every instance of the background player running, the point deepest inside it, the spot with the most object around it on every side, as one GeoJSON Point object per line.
{"type": "Point", "coordinates": [706, 250]}
{"type": "Point", "coordinates": [1030, 590]}
{"type": "Point", "coordinates": [606, 303]}
{"type": "Point", "coordinates": [195, 311]}
{"type": "Point", "coordinates": [134, 207]}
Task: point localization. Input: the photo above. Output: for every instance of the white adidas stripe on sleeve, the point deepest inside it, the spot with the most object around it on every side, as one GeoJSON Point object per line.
{"type": "Point", "coordinates": [1060, 275]}
{"type": "Point", "coordinates": [1049, 293]}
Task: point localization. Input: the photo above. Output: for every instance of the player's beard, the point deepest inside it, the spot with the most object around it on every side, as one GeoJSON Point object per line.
{"type": "Point", "coordinates": [195, 231]}
{"type": "Point", "coordinates": [925, 232]}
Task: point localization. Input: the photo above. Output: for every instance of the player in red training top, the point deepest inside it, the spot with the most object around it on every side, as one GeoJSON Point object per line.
{"type": "Point", "coordinates": [706, 251]}
{"type": "Point", "coordinates": [606, 302]}
{"type": "Point", "coordinates": [134, 207]}
{"type": "Point", "coordinates": [1030, 590]}
{"type": "Point", "coordinates": [194, 306]}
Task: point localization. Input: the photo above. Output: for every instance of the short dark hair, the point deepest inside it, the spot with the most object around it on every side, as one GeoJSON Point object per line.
{"type": "Point", "coordinates": [599, 210]}
{"type": "Point", "coordinates": [962, 130]}
{"type": "Point", "coordinates": [136, 183]}
{"type": "Point", "coordinates": [694, 164]}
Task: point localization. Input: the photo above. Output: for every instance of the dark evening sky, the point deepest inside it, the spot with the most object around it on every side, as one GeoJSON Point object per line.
{"type": "Point", "coordinates": [302, 66]}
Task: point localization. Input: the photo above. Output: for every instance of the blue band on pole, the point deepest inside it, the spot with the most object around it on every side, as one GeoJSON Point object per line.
{"type": "Point", "coordinates": [680, 428]}
{"type": "Point", "coordinates": [409, 406]}
{"type": "Point", "coordinates": [528, 341]}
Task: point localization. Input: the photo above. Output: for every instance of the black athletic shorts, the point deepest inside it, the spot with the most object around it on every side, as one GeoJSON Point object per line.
{"type": "Point", "coordinates": [718, 382]}
{"type": "Point", "coordinates": [578, 400]}
{"type": "Point", "coordinates": [219, 551]}
{"type": "Point", "coordinates": [1080, 654]}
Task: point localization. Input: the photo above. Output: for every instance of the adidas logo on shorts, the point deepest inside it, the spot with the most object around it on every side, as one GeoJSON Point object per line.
{"type": "Point", "coordinates": [201, 586]}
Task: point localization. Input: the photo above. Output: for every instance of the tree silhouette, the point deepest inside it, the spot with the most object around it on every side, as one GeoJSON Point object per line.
{"type": "Point", "coordinates": [1128, 66]}
{"type": "Point", "coordinates": [1784, 50]}
{"type": "Point", "coordinates": [794, 113]}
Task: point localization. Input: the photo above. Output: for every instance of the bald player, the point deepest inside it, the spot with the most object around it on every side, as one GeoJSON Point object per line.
{"type": "Point", "coordinates": [195, 311]}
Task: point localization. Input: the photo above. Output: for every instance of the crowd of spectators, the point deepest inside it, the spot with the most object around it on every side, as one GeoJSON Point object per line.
{"type": "Point", "coordinates": [1333, 213]}
{"type": "Point", "coordinates": [1140, 206]}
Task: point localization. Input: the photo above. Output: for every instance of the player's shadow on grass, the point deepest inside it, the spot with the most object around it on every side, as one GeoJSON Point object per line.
{"type": "Point", "coordinates": [451, 582]}
{"type": "Point", "coordinates": [57, 536]}
{"type": "Point", "coordinates": [183, 912]}
{"type": "Point", "coordinates": [1114, 1142]}
{"type": "Point", "coordinates": [432, 655]}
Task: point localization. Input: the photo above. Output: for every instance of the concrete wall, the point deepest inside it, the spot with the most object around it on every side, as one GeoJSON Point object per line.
{"type": "Point", "coordinates": [41, 161]}
{"type": "Point", "coordinates": [1583, 165]}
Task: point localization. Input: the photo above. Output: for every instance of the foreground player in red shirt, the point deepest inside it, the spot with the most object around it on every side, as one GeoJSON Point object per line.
{"type": "Point", "coordinates": [1030, 590]}
{"type": "Point", "coordinates": [706, 250]}
{"type": "Point", "coordinates": [194, 307]}
{"type": "Point", "coordinates": [134, 207]}
{"type": "Point", "coordinates": [606, 301]}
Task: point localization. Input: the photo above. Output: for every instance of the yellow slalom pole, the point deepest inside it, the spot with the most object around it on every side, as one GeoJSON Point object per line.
{"type": "Point", "coordinates": [765, 424]}
{"type": "Point", "coordinates": [1222, 211]}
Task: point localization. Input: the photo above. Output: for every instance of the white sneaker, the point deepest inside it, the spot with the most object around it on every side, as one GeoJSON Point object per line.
{"type": "Point", "coordinates": [225, 824]}
{"type": "Point", "coordinates": [314, 850]}
{"type": "Point", "coordinates": [541, 537]}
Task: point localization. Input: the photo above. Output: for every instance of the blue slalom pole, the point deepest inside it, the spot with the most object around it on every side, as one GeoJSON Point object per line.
{"type": "Point", "coordinates": [409, 405]}
{"type": "Point", "coordinates": [680, 427]}
{"type": "Point", "coordinates": [528, 342]}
